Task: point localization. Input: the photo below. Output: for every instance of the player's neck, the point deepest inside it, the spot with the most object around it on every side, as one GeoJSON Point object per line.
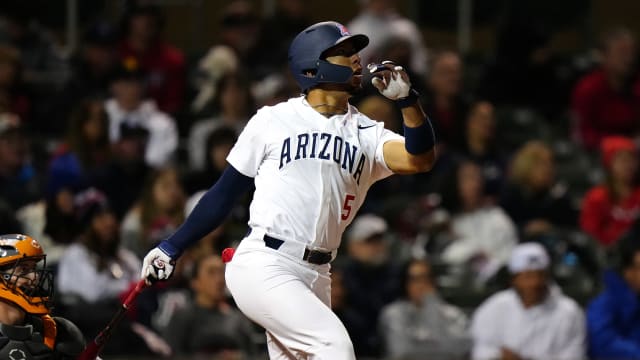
{"type": "Point", "coordinates": [328, 102]}
{"type": "Point", "coordinates": [11, 314]}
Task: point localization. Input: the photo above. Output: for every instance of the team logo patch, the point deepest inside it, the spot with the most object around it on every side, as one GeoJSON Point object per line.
{"type": "Point", "coordinates": [35, 243]}
{"type": "Point", "coordinates": [343, 30]}
{"type": "Point", "coordinates": [17, 354]}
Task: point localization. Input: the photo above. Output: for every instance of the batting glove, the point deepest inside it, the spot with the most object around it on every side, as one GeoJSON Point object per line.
{"type": "Point", "coordinates": [391, 80]}
{"type": "Point", "coordinates": [157, 265]}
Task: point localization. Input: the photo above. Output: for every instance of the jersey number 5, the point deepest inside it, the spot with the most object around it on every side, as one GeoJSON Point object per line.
{"type": "Point", "coordinates": [346, 208]}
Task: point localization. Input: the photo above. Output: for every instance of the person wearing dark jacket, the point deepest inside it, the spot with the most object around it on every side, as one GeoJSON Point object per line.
{"type": "Point", "coordinates": [613, 318]}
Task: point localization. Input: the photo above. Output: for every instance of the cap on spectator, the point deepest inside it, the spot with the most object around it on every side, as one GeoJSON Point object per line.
{"type": "Point", "coordinates": [528, 257]}
{"type": "Point", "coordinates": [611, 145]}
{"type": "Point", "coordinates": [367, 226]}
{"type": "Point", "coordinates": [88, 204]}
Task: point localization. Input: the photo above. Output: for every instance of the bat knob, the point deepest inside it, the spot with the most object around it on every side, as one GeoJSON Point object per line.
{"type": "Point", "coordinates": [227, 254]}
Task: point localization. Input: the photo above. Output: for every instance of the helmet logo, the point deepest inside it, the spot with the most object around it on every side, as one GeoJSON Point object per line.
{"type": "Point", "coordinates": [35, 243]}
{"type": "Point", "coordinates": [17, 354]}
{"type": "Point", "coordinates": [343, 30]}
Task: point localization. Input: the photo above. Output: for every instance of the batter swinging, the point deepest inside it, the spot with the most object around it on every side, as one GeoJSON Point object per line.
{"type": "Point", "coordinates": [312, 160]}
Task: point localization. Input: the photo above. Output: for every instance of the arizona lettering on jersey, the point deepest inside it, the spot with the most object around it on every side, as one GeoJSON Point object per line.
{"type": "Point", "coordinates": [330, 163]}
{"type": "Point", "coordinates": [323, 146]}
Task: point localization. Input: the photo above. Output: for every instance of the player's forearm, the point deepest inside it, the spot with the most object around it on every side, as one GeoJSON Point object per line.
{"type": "Point", "coordinates": [210, 212]}
{"type": "Point", "coordinates": [413, 116]}
{"type": "Point", "coordinates": [419, 135]}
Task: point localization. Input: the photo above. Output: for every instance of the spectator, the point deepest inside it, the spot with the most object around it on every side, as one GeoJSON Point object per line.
{"type": "Point", "coordinates": [208, 325]}
{"type": "Point", "coordinates": [380, 20]}
{"type": "Point", "coordinates": [44, 67]}
{"type": "Point", "coordinates": [533, 198]}
{"type": "Point", "coordinates": [19, 182]}
{"type": "Point", "coordinates": [532, 319]}
{"type": "Point", "coordinates": [370, 278]}
{"type": "Point", "coordinates": [83, 157]}
{"type": "Point", "coordinates": [483, 234]}
{"type": "Point", "coordinates": [126, 170]}
{"type": "Point", "coordinates": [129, 106]}
{"type": "Point", "coordinates": [609, 210]}
{"type": "Point", "coordinates": [218, 145]}
{"type": "Point", "coordinates": [13, 96]}
{"type": "Point", "coordinates": [162, 63]}
{"type": "Point", "coordinates": [92, 69]}
{"type": "Point", "coordinates": [479, 145]}
{"type": "Point", "coordinates": [96, 272]}
{"type": "Point", "coordinates": [95, 63]}
{"type": "Point", "coordinates": [422, 325]}
{"type": "Point", "coordinates": [607, 100]}
{"type": "Point", "coordinates": [96, 267]}
{"type": "Point", "coordinates": [612, 317]}
{"type": "Point", "coordinates": [233, 106]}
{"type": "Point", "coordinates": [443, 99]}
{"type": "Point", "coordinates": [157, 213]}
{"type": "Point", "coordinates": [239, 30]}
{"type": "Point", "coordinates": [61, 223]}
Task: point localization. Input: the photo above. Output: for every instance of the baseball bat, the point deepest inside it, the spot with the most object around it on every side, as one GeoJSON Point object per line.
{"type": "Point", "coordinates": [92, 350]}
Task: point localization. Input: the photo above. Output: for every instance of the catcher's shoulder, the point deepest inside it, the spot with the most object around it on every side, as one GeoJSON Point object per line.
{"type": "Point", "coordinates": [69, 339]}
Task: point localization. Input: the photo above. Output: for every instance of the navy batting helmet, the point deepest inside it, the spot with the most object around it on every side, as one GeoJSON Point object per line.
{"type": "Point", "coordinates": [305, 54]}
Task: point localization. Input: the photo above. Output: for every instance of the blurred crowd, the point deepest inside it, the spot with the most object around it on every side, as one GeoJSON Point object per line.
{"type": "Point", "coordinates": [522, 242]}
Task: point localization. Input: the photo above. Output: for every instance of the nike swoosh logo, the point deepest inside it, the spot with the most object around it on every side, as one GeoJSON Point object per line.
{"type": "Point", "coordinates": [365, 127]}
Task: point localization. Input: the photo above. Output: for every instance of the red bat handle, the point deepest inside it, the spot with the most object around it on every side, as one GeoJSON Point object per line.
{"type": "Point", "coordinates": [94, 347]}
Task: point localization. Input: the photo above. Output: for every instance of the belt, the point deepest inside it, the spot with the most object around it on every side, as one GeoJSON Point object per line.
{"type": "Point", "coordinates": [316, 257]}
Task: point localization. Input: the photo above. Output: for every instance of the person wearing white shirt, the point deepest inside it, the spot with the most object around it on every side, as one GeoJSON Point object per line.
{"type": "Point", "coordinates": [531, 320]}
{"type": "Point", "coordinates": [129, 107]}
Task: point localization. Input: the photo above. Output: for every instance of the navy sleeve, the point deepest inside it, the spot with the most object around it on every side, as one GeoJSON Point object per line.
{"type": "Point", "coordinates": [209, 213]}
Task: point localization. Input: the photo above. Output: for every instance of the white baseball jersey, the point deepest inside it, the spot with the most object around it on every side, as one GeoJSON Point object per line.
{"type": "Point", "coordinates": [311, 172]}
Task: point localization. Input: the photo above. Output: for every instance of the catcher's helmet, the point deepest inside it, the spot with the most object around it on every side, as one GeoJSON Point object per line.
{"type": "Point", "coordinates": [24, 280]}
{"type": "Point", "coordinates": [306, 54]}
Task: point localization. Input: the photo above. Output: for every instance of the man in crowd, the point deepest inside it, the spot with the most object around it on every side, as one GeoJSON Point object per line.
{"type": "Point", "coordinates": [532, 319]}
{"type": "Point", "coordinates": [613, 317]}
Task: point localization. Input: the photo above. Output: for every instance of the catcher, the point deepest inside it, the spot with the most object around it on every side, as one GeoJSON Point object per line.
{"type": "Point", "coordinates": [27, 331]}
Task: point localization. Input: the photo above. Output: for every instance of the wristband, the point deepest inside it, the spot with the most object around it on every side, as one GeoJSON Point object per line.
{"type": "Point", "coordinates": [419, 140]}
{"type": "Point", "coordinates": [409, 100]}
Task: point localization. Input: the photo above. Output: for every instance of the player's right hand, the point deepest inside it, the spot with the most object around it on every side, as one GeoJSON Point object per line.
{"type": "Point", "coordinates": [390, 79]}
{"type": "Point", "coordinates": [157, 265]}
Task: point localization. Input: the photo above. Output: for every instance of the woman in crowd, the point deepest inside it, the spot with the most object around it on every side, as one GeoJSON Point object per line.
{"type": "Point", "coordinates": [609, 209]}
{"type": "Point", "coordinates": [483, 234]}
{"type": "Point", "coordinates": [158, 212]}
{"type": "Point", "coordinates": [533, 198]}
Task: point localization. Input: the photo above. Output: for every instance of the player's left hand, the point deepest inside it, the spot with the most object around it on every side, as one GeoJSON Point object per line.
{"type": "Point", "coordinates": [390, 79]}
{"type": "Point", "coordinates": [157, 265]}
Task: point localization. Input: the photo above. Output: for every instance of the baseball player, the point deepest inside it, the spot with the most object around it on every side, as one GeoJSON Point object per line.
{"type": "Point", "coordinates": [27, 331]}
{"type": "Point", "coordinates": [312, 159]}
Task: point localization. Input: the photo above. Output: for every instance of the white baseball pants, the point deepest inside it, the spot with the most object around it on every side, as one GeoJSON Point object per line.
{"type": "Point", "coordinates": [290, 298]}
